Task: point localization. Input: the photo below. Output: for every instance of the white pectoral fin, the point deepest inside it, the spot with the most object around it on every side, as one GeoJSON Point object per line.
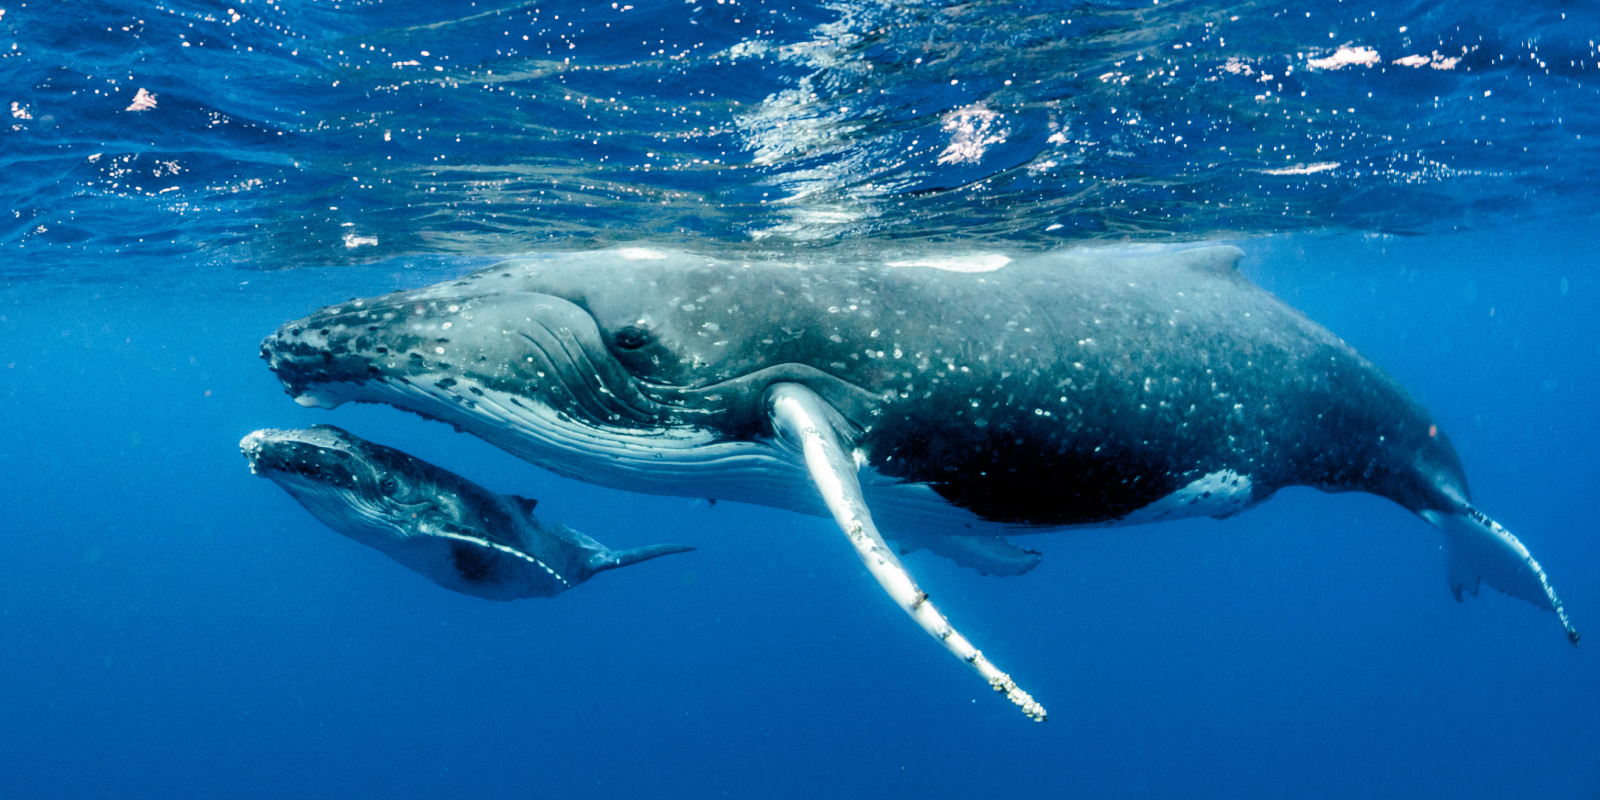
{"type": "Point", "coordinates": [1478, 548]}
{"type": "Point", "coordinates": [804, 421]}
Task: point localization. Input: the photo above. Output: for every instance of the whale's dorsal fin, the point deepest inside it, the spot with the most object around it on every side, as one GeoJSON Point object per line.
{"type": "Point", "coordinates": [526, 504]}
{"type": "Point", "coordinates": [1216, 260]}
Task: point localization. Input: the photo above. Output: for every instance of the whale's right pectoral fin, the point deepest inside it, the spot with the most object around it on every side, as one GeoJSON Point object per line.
{"type": "Point", "coordinates": [1480, 549]}
{"type": "Point", "coordinates": [805, 422]}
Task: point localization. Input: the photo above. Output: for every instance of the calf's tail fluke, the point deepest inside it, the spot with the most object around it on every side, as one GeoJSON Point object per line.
{"type": "Point", "coordinates": [1480, 549]}
{"type": "Point", "coordinates": [612, 559]}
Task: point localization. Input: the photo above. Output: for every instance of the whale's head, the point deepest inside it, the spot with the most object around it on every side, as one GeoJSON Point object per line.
{"type": "Point", "coordinates": [371, 493]}
{"type": "Point", "coordinates": [624, 360]}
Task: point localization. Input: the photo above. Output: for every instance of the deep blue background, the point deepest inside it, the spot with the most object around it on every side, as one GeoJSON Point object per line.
{"type": "Point", "coordinates": [174, 626]}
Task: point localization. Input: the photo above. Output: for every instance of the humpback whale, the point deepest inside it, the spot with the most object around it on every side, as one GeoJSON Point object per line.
{"type": "Point", "coordinates": [438, 524]}
{"type": "Point", "coordinates": [953, 400]}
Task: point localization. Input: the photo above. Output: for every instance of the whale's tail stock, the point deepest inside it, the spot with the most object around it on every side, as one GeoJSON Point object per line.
{"type": "Point", "coordinates": [1480, 549]}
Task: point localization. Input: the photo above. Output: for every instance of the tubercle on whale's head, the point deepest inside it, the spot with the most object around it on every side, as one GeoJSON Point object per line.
{"type": "Point", "coordinates": [604, 340]}
{"type": "Point", "coordinates": [351, 483]}
{"type": "Point", "coordinates": [329, 348]}
{"type": "Point", "coordinates": [321, 454]}
{"type": "Point", "coordinates": [678, 345]}
{"type": "Point", "coordinates": [332, 477]}
{"type": "Point", "coordinates": [485, 353]}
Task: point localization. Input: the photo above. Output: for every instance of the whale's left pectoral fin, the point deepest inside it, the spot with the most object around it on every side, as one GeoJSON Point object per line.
{"type": "Point", "coordinates": [1480, 549]}
{"type": "Point", "coordinates": [989, 555]}
{"type": "Point", "coordinates": [804, 421]}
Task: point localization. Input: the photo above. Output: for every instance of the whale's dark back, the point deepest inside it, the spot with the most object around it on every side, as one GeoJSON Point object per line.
{"type": "Point", "coordinates": [1075, 393]}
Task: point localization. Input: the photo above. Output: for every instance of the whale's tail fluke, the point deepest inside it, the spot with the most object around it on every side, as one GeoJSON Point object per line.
{"type": "Point", "coordinates": [1480, 549]}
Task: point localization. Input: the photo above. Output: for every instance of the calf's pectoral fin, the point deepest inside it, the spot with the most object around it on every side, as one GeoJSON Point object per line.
{"type": "Point", "coordinates": [803, 420]}
{"type": "Point", "coordinates": [1478, 548]}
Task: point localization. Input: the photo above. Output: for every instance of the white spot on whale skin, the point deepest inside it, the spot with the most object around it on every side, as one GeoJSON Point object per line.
{"type": "Point", "coordinates": [986, 262]}
{"type": "Point", "coordinates": [640, 254]}
{"type": "Point", "coordinates": [250, 445]}
{"type": "Point", "coordinates": [1219, 494]}
{"type": "Point", "coordinates": [315, 400]}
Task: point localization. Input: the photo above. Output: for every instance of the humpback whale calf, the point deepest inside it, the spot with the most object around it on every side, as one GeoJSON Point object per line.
{"type": "Point", "coordinates": [440, 525]}
{"type": "Point", "coordinates": [954, 400]}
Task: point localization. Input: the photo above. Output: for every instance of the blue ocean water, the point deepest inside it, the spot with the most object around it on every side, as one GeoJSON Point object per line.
{"type": "Point", "coordinates": [183, 177]}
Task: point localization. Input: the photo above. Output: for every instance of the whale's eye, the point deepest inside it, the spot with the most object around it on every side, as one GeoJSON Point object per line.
{"type": "Point", "coordinates": [388, 486]}
{"type": "Point", "coordinates": [632, 337]}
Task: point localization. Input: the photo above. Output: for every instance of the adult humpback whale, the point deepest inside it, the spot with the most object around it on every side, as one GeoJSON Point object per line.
{"type": "Point", "coordinates": [440, 525]}
{"type": "Point", "coordinates": [958, 399]}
